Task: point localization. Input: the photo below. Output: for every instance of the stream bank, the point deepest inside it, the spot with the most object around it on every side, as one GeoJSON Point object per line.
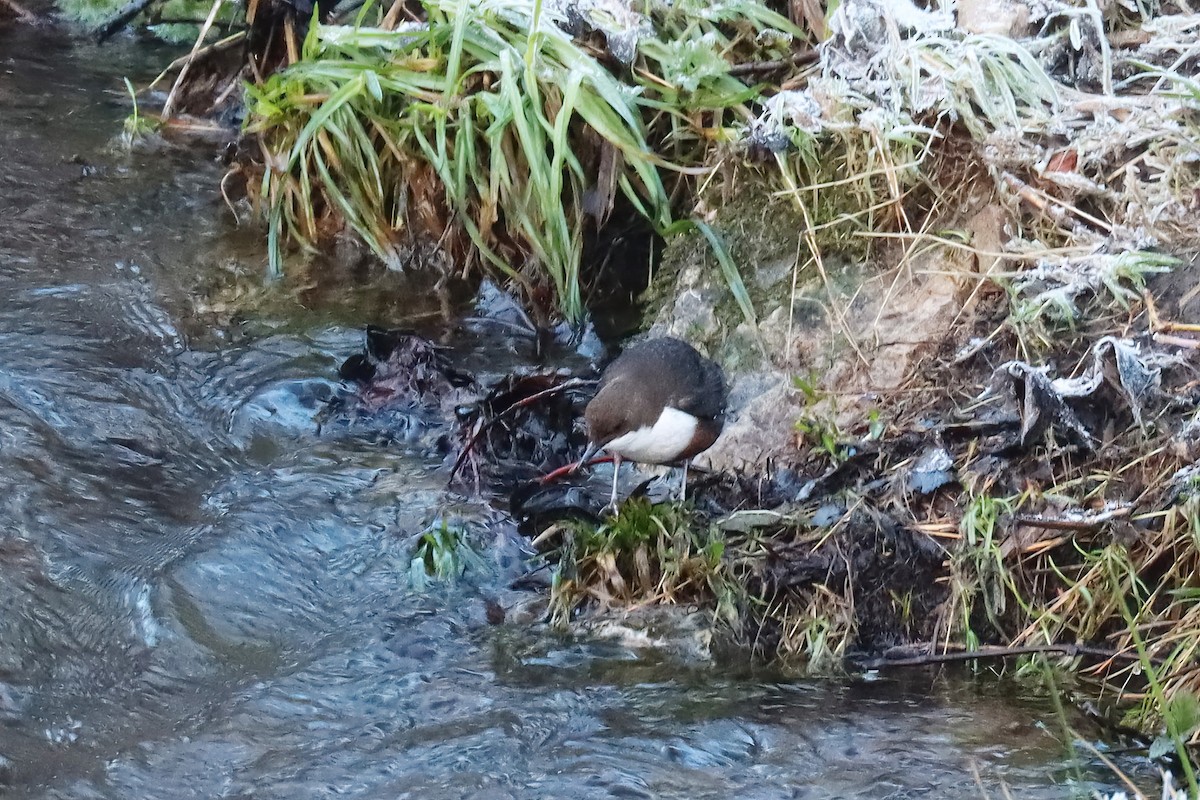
{"type": "Point", "coordinates": [205, 595]}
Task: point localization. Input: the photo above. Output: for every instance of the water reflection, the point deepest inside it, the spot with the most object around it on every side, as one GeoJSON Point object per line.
{"type": "Point", "coordinates": [204, 594]}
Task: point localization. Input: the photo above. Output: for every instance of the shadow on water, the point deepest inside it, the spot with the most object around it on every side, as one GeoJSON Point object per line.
{"type": "Point", "coordinates": [203, 596]}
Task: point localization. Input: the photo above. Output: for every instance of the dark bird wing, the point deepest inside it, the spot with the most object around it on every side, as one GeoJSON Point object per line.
{"type": "Point", "coordinates": [707, 400]}
{"type": "Point", "coordinates": [667, 372]}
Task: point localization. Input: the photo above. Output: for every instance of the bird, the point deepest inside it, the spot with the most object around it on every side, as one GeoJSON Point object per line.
{"type": "Point", "coordinates": [659, 402]}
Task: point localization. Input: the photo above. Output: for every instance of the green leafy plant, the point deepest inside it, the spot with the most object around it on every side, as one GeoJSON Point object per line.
{"type": "Point", "coordinates": [492, 112]}
{"type": "Point", "coordinates": [824, 437]}
{"type": "Point", "coordinates": [977, 567]}
{"type": "Point", "coordinates": [818, 425]}
{"type": "Point", "coordinates": [442, 553]}
{"type": "Point", "coordinates": [136, 127]}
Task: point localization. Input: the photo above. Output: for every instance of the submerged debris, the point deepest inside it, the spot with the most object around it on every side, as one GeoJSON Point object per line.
{"type": "Point", "coordinates": [401, 388]}
{"type": "Point", "coordinates": [401, 367]}
{"type": "Point", "coordinates": [522, 429]}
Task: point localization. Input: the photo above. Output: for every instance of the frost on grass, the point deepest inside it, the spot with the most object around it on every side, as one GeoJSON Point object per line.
{"type": "Point", "coordinates": [1090, 143]}
{"type": "Point", "coordinates": [1053, 287]}
{"type": "Point", "coordinates": [622, 25]}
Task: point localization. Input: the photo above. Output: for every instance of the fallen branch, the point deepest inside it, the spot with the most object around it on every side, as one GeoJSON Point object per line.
{"type": "Point", "coordinates": [1083, 522]}
{"type": "Point", "coordinates": [123, 18]}
{"type": "Point", "coordinates": [168, 106]}
{"type": "Point", "coordinates": [900, 656]}
{"type": "Point", "coordinates": [1157, 325]}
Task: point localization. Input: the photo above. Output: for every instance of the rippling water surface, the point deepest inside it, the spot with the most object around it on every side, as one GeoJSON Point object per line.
{"type": "Point", "coordinates": [203, 596]}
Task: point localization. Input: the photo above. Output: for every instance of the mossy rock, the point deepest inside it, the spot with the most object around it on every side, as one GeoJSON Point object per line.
{"type": "Point", "coordinates": [763, 232]}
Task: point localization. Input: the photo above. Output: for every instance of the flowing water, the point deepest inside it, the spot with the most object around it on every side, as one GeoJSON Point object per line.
{"type": "Point", "coordinates": [203, 595]}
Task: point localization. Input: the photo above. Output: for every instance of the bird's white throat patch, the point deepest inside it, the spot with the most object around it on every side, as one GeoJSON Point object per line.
{"type": "Point", "coordinates": [660, 443]}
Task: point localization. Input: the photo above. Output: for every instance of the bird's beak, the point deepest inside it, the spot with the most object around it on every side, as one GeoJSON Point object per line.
{"type": "Point", "coordinates": [588, 455]}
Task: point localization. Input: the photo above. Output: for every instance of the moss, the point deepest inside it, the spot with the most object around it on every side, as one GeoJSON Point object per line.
{"type": "Point", "coordinates": [763, 233]}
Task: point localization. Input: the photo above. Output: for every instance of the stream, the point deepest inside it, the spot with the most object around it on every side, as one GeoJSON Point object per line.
{"type": "Point", "coordinates": [204, 595]}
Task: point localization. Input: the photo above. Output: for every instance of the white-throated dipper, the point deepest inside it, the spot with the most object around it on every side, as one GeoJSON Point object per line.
{"type": "Point", "coordinates": [659, 402]}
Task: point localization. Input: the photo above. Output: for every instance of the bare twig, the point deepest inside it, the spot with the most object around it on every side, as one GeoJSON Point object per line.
{"type": "Point", "coordinates": [168, 106]}
{"type": "Point", "coordinates": [1057, 209]}
{"type": "Point", "coordinates": [815, 250]}
{"type": "Point", "coordinates": [215, 47]}
{"type": "Point", "coordinates": [1161, 332]}
{"type": "Point", "coordinates": [1090, 522]}
{"type": "Point", "coordinates": [755, 67]}
{"type": "Point", "coordinates": [1177, 341]}
{"type": "Point", "coordinates": [482, 427]}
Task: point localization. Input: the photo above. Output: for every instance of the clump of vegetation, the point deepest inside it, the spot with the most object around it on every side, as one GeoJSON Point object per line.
{"type": "Point", "coordinates": [1050, 296]}
{"type": "Point", "coordinates": [137, 127]}
{"type": "Point", "coordinates": [490, 124]}
{"type": "Point", "coordinates": [775, 585]}
{"type": "Point", "coordinates": [645, 554]}
{"type": "Point", "coordinates": [442, 553]}
{"type": "Point", "coordinates": [979, 581]}
{"type": "Point", "coordinates": [1090, 578]}
{"type": "Point", "coordinates": [818, 427]}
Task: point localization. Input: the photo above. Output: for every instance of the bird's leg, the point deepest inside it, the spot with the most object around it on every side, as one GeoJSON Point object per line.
{"type": "Point", "coordinates": [683, 482]}
{"type": "Point", "coordinates": [612, 500]}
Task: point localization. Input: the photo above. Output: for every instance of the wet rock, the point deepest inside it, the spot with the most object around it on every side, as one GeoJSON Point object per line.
{"type": "Point", "coordinates": [1184, 484]}
{"type": "Point", "coordinates": [751, 519]}
{"type": "Point", "coordinates": [679, 632]}
{"type": "Point", "coordinates": [539, 505]}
